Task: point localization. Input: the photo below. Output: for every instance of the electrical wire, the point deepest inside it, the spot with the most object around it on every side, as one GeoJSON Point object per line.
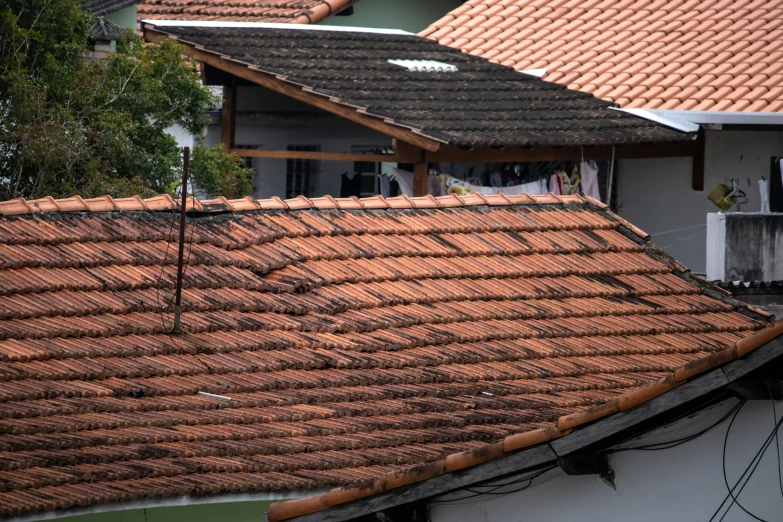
{"type": "Point", "coordinates": [160, 275]}
{"type": "Point", "coordinates": [749, 470]}
{"type": "Point", "coordinates": [677, 442]}
{"type": "Point", "coordinates": [495, 494]}
{"type": "Point", "coordinates": [777, 442]}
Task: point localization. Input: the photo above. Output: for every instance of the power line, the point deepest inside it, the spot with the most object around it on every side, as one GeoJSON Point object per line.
{"type": "Point", "coordinates": [676, 442]}
{"type": "Point", "coordinates": [749, 470]}
{"type": "Point", "coordinates": [493, 493]}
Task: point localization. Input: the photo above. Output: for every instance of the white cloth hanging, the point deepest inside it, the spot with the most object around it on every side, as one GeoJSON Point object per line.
{"type": "Point", "coordinates": [588, 171]}
{"type": "Point", "coordinates": [453, 185]}
{"type": "Point", "coordinates": [404, 180]}
{"type": "Point", "coordinates": [764, 193]}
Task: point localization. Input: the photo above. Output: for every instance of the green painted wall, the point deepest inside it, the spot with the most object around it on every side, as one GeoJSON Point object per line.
{"type": "Point", "coordinates": [125, 18]}
{"type": "Point", "coordinates": [228, 512]}
{"type": "Point", "coordinates": [408, 15]}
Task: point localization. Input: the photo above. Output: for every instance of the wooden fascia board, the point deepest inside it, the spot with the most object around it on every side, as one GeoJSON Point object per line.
{"type": "Point", "coordinates": [580, 439]}
{"type": "Point", "coordinates": [315, 155]}
{"type": "Point", "coordinates": [243, 70]}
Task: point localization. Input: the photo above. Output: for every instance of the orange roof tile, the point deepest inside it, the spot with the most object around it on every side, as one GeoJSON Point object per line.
{"type": "Point", "coordinates": [629, 36]}
{"type": "Point", "coordinates": [512, 318]}
{"type": "Point", "coordinates": [285, 11]}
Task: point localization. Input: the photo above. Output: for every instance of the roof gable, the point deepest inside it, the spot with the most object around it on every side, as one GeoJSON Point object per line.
{"type": "Point", "coordinates": [707, 55]}
{"type": "Point", "coordinates": [352, 340]}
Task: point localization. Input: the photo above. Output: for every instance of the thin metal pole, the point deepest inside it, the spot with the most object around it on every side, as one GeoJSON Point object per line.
{"type": "Point", "coordinates": [183, 203]}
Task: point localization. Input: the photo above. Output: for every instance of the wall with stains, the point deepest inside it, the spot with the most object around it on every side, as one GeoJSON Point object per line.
{"type": "Point", "coordinates": [745, 246]}
{"type": "Point", "coordinates": [656, 194]}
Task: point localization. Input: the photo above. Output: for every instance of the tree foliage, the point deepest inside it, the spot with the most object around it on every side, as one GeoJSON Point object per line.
{"type": "Point", "coordinates": [70, 125]}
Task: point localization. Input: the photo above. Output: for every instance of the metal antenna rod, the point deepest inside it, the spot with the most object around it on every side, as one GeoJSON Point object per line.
{"type": "Point", "coordinates": [183, 204]}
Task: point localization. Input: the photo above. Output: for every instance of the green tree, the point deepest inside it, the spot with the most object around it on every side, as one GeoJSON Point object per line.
{"type": "Point", "coordinates": [71, 125]}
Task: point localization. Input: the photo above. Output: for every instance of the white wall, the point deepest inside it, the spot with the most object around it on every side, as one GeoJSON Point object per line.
{"type": "Point", "coordinates": [656, 194]}
{"type": "Point", "coordinates": [684, 483]}
{"type": "Point", "coordinates": [270, 173]}
{"type": "Point", "coordinates": [273, 122]}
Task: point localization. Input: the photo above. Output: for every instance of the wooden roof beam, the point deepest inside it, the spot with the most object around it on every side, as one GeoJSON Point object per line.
{"type": "Point", "coordinates": [512, 154]}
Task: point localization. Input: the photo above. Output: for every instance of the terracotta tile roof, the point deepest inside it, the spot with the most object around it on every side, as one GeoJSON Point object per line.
{"type": "Point", "coordinates": [279, 11]}
{"type": "Point", "coordinates": [487, 324]}
{"type": "Point", "coordinates": [479, 104]}
{"type": "Point", "coordinates": [104, 7]}
{"type": "Point", "coordinates": [721, 55]}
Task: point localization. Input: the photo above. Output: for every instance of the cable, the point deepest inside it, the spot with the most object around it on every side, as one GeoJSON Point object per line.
{"type": "Point", "coordinates": [677, 442]}
{"type": "Point", "coordinates": [458, 502]}
{"type": "Point", "coordinates": [777, 442]}
{"type": "Point", "coordinates": [162, 268]}
{"type": "Point", "coordinates": [750, 468]}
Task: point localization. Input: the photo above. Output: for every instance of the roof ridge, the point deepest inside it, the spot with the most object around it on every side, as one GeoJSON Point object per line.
{"type": "Point", "coordinates": [48, 204]}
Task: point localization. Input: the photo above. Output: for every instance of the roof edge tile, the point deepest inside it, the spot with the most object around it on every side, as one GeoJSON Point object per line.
{"type": "Point", "coordinates": [49, 205]}
{"type": "Point", "coordinates": [293, 508]}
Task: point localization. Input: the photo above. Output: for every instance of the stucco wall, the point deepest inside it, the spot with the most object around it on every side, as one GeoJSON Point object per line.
{"type": "Point", "coordinates": [408, 15]}
{"type": "Point", "coordinates": [656, 194]}
{"type": "Point", "coordinates": [681, 483]}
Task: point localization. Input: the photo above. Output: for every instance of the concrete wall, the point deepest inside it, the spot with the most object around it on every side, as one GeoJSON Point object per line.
{"type": "Point", "coordinates": [745, 247]}
{"type": "Point", "coordinates": [656, 194]}
{"type": "Point", "coordinates": [408, 15]}
{"type": "Point", "coordinates": [681, 483]}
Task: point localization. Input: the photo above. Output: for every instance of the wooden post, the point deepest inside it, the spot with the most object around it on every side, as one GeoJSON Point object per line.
{"type": "Point", "coordinates": [420, 179]}
{"type": "Point", "coordinates": [697, 182]}
{"type": "Point", "coordinates": [228, 116]}
{"type": "Point", "coordinates": [407, 153]}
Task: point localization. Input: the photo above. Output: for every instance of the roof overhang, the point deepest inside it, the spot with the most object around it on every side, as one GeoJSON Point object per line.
{"type": "Point", "coordinates": [696, 393]}
{"type": "Point", "coordinates": [271, 25]}
{"type": "Point", "coordinates": [719, 117]}
{"type": "Point", "coordinates": [280, 84]}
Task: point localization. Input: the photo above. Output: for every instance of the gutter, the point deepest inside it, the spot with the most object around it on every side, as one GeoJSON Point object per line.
{"type": "Point", "coordinates": [187, 500]}
{"type": "Point", "coordinates": [670, 120]}
{"type": "Point", "coordinates": [719, 117]}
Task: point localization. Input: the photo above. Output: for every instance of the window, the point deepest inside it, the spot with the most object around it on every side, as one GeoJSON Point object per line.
{"type": "Point", "coordinates": [249, 162]}
{"type": "Point", "coordinates": [300, 174]}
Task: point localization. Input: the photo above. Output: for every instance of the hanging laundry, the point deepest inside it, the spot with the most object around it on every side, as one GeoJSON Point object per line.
{"type": "Point", "coordinates": [404, 179]}
{"type": "Point", "coordinates": [385, 186]}
{"type": "Point", "coordinates": [456, 186]}
{"type": "Point", "coordinates": [350, 185]}
{"type": "Point", "coordinates": [764, 193]}
{"type": "Point", "coordinates": [434, 186]}
{"type": "Point", "coordinates": [556, 185]}
{"type": "Point", "coordinates": [588, 171]}
{"type": "Point", "coordinates": [776, 186]}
